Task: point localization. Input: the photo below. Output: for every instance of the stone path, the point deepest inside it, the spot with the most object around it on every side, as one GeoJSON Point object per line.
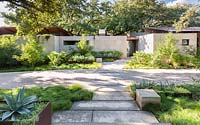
{"type": "Point", "coordinates": [107, 107]}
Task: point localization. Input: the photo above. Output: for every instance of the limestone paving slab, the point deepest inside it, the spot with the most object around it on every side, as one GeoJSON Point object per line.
{"type": "Point", "coordinates": [102, 88]}
{"type": "Point", "coordinates": [121, 96]}
{"type": "Point", "coordinates": [105, 105]}
{"type": "Point", "coordinates": [124, 117]}
{"type": "Point", "coordinates": [72, 116]}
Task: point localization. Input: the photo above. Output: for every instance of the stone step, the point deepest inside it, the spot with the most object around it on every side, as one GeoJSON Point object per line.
{"type": "Point", "coordinates": [115, 96]}
{"type": "Point", "coordinates": [110, 88]}
{"type": "Point", "coordinates": [105, 106]}
{"type": "Point", "coordinates": [92, 123]}
{"type": "Point", "coordinates": [124, 117]}
{"type": "Point", "coordinates": [104, 118]}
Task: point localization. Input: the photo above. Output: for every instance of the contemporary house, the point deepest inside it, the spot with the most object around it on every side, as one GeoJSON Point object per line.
{"type": "Point", "coordinates": [61, 40]}
{"type": "Point", "coordinates": [187, 38]}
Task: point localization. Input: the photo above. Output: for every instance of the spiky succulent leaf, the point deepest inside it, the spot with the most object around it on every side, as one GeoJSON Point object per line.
{"type": "Point", "coordinates": [7, 114]}
{"type": "Point", "coordinates": [30, 106]}
{"type": "Point", "coordinates": [8, 100]}
{"type": "Point", "coordinates": [29, 100]}
{"type": "Point", "coordinates": [24, 111]}
{"type": "Point", "coordinates": [14, 117]}
{"type": "Point", "coordinates": [5, 108]}
{"type": "Point", "coordinates": [20, 95]}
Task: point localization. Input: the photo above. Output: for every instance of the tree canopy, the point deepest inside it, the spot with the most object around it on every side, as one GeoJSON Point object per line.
{"type": "Point", "coordinates": [87, 16]}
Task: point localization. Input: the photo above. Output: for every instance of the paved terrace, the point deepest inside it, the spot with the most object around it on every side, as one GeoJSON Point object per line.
{"type": "Point", "coordinates": [95, 78]}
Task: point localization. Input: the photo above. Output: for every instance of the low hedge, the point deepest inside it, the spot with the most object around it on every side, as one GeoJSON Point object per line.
{"type": "Point", "coordinates": [107, 54]}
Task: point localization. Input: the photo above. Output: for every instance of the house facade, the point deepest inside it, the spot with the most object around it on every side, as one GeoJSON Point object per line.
{"type": "Point", "coordinates": [188, 38]}
{"type": "Point", "coordinates": [61, 40]}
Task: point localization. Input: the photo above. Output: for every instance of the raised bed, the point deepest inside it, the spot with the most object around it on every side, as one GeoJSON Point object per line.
{"type": "Point", "coordinates": [44, 117]}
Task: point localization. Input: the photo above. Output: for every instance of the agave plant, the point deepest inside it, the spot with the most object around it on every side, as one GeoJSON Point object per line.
{"type": "Point", "coordinates": [17, 105]}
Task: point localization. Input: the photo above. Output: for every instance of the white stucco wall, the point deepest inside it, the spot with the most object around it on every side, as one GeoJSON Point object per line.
{"type": "Point", "coordinates": [60, 42]}
{"type": "Point", "coordinates": [99, 43]}
{"type": "Point", "coordinates": [119, 43]}
{"type": "Point", "coordinates": [48, 43]}
{"type": "Point", "coordinates": [146, 43]}
{"type": "Point", "coordinates": [160, 37]}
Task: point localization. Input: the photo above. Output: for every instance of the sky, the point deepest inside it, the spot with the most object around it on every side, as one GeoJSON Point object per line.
{"type": "Point", "coordinates": [169, 2]}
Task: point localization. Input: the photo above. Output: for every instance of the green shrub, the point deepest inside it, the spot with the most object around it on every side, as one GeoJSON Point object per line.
{"type": "Point", "coordinates": [32, 53]}
{"type": "Point", "coordinates": [166, 52]}
{"type": "Point", "coordinates": [140, 59]}
{"type": "Point", "coordinates": [78, 58]}
{"type": "Point", "coordinates": [57, 59]}
{"type": "Point", "coordinates": [83, 46]}
{"type": "Point", "coordinates": [107, 54]}
{"type": "Point", "coordinates": [8, 50]}
{"type": "Point", "coordinates": [189, 61]}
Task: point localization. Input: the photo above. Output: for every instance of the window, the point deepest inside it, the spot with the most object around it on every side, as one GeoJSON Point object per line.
{"type": "Point", "coordinates": [70, 42]}
{"type": "Point", "coordinates": [185, 42]}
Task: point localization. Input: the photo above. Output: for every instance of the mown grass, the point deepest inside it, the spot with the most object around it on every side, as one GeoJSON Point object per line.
{"type": "Point", "coordinates": [49, 67]}
{"type": "Point", "coordinates": [180, 104]}
{"type": "Point", "coordinates": [61, 97]}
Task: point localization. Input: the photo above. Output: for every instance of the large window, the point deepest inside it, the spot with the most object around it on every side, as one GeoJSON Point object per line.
{"type": "Point", "coordinates": [185, 42]}
{"type": "Point", "coordinates": [70, 42]}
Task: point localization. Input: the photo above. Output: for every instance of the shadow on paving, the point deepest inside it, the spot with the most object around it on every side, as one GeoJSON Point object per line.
{"type": "Point", "coordinates": [91, 78]}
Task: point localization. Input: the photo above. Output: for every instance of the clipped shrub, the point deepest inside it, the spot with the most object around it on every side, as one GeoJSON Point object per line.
{"type": "Point", "coordinates": [107, 54]}
{"type": "Point", "coordinates": [57, 59]}
{"type": "Point", "coordinates": [32, 53]}
{"type": "Point", "coordinates": [78, 58]}
{"type": "Point", "coordinates": [8, 50]}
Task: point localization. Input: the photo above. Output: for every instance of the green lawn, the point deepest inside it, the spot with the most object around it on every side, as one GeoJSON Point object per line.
{"type": "Point", "coordinates": [48, 67]}
{"type": "Point", "coordinates": [180, 105]}
{"type": "Point", "coordinates": [61, 97]}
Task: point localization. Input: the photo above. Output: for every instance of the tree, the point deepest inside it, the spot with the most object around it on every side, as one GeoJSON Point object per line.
{"type": "Point", "coordinates": [76, 16]}
{"type": "Point", "coordinates": [87, 16]}
{"type": "Point", "coordinates": [133, 15]}
{"type": "Point", "coordinates": [190, 18]}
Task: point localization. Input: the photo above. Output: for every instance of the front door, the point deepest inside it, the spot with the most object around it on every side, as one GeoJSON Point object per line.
{"type": "Point", "coordinates": [133, 46]}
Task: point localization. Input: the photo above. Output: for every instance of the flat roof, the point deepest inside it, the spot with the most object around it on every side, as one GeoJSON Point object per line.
{"type": "Point", "coordinates": [57, 31]}
{"type": "Point", "coordinates": [171, 29]}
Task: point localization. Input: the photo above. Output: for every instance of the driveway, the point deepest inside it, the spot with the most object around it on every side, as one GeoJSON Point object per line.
{"type": "Point", "coordinates": [94, 78]}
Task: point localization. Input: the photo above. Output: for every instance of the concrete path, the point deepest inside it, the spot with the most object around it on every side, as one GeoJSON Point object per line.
{"type": "Point", "coordinates": [105, 108]}
{"type": "Point", "coordinates": [95, 79]}
{"type": "Point", "coordinates": [118, 64]}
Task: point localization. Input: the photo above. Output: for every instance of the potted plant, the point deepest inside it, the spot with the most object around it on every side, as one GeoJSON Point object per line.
{"type": "Point", "coordinates": [21, 110]}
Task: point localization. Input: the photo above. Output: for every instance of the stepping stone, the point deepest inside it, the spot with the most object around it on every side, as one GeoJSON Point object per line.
{"type": "Point", "coordinates": [72, 116]}
{"type": "Point", "coordinates": [105, 106]}
{"type": "Point", "coordinates": [147, 96]}
{"type": "Point", "coordinates": [116, 88]}
{"type": "Point", "coordinates": [124, 117]}
{"type": "Point", "coordinates": [121, 96]}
